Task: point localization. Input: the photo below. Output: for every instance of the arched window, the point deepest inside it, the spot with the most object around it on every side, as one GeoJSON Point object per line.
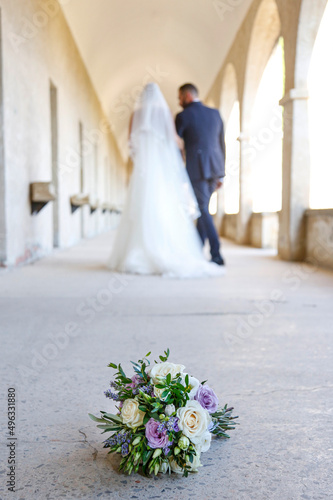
{"type": "Point", "coordinates": [320, 84]}
{"type": "Point", "coordinates": [266, 135]}
{"type": "Point", "coordinates": [231, 196]}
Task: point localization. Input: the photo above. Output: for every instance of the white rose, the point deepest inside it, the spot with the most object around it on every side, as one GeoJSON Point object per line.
{"type": "Point", "coordinates": [193, 420]}
{"type": "Point", "coordinates": [204, 444]}
{"type": "Point", "coordinates": [161, 370]}
{"type": "Point", "coordinates": [130, 413]}
{"type": "Point", "coordinates": [170, 409]}
{"type": "Point", "coordinates": [194, 384]}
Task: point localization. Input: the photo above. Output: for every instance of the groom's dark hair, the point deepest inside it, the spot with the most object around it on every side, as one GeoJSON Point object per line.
{"type": "Point", "coordinates": [189, 87]}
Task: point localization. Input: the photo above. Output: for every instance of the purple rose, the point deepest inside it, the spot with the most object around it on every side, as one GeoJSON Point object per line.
{"type": "Point", "coordinates": [207, 398]}
{"type": "Point", "coordinates": [156, 437]}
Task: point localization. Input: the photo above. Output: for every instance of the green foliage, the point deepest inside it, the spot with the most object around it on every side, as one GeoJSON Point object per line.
{"type": "Point", "coordinates": [223, 421]}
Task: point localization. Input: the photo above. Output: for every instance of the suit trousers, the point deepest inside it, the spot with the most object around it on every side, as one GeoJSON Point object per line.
{"type": "Point", "coordinates": [203, 190]}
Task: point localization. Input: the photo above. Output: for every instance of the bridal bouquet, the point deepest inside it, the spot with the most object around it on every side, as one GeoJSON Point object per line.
{"type": "Point", "coordinates": [165, 419]}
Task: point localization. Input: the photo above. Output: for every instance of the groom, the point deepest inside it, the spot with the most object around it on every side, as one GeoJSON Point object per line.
{"type": "Point", "coordinates": [202, 130]}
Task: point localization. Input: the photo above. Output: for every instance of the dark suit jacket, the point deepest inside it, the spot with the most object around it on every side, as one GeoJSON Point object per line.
{"type": "Point", "coordinates": [203, 133]}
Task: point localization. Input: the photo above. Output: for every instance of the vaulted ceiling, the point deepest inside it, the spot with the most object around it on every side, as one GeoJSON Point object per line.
{"type": "Point", "coordinates": [125, 43]}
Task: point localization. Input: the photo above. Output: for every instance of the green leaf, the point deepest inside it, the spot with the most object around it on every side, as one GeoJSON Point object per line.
{"type": "Point", "coordinates": [112, 365]}
{"type": "Point", "coordinates": [110, 416]}
{"type": "Point", "coordinates": [121, 371]}
{"type": "Point", "coordinates": [114, 429]}
{"type": "Point", "coordinates": [96, 419]}
{"type": "Point", "coordinates": [106, 427]}
{"type": "Point", "coordinates": [146, 456]}
{"type": "Point", "coordinates": [149, 353]}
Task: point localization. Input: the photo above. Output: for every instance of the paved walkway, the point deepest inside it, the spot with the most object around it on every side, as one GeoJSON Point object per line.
{"type": "Point", "coordinates": [262, 335]}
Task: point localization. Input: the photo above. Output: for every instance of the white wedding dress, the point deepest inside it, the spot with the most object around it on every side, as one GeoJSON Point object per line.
{"type": "Point", "coordinates": [156, 232]}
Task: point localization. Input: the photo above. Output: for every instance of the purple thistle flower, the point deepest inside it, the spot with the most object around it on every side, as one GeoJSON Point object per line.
{"type": "Point", "coordinates": [148, 389]}
{"type": "Point", "coordinates": [114, 385]}
{"type": "Point", "coordinates": [111, 441]}
{"type": "Point", "coordinates": [166, 450]}
{"type": "Point", "coordinates": [161, 428]}
{"type": "Point", "coordinates": [111, 395]}
{"type": "Point", "coordinates": [172, 424]}
{"type": "Point", "coordinates": [124, 450]}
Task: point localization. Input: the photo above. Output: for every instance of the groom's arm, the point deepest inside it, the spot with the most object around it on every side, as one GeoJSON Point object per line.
{"type": "Point", "coordinates": [180, 125]}
{"type": "Point", "coordinates": [222, 143]}
{"type": "Point", "coordinates": [180, 131]}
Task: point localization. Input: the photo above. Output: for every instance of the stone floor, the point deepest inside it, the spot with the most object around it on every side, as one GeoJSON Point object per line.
{"type": "Point", "coordinates": [262, 335]}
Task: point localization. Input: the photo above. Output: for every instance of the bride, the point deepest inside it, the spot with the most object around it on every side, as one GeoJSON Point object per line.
{"type": "Point", "coordinates": [156, 233]}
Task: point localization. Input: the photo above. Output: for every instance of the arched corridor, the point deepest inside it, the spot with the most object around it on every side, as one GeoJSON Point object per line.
{"type": "Point", "coordinates": [70, 73]}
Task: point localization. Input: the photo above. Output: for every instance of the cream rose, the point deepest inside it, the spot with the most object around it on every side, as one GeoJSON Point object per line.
{"type": "Point", "coordinates": [161, 370]}
{"type": "Point", "coordinates": [193, 420]}
{"type": "Point", "coordinates": [130, 413]}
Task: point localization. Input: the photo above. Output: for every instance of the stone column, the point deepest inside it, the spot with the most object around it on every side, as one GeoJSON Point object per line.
{"type": "Point", "coordinates": [3, 222]}
{"type": "Point", "coordinates": [295, 175]}
{"type": "Point", "coordinates": [245, 191]}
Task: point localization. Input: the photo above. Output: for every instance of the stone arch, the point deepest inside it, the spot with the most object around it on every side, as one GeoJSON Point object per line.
{"type": "Point", "coordinates": [265, 34]}
{"type": "Point", "coordinates": [229, 107]}
{"type": "Point", "coordinates": [229, 91]}
{"type": "Point", "coordinates": [309, 21]}
{"type": "Point", "coordinates": [320, 109]}
{"type": "Point", "coordinates": [210, 103]}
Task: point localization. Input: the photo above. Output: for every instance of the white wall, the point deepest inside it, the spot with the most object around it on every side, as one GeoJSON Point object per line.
{"type": "Point", "coordinates": [37, 46]}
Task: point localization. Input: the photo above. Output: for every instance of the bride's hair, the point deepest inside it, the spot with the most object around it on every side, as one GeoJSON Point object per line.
{"type": "Point", "coordinates": [152, 114]}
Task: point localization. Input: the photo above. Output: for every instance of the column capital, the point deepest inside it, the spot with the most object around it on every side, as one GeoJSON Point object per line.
{"type": "Point", "coordinates": [244, 137]}
{"type": "Point", "coordinates": [293, 95]}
